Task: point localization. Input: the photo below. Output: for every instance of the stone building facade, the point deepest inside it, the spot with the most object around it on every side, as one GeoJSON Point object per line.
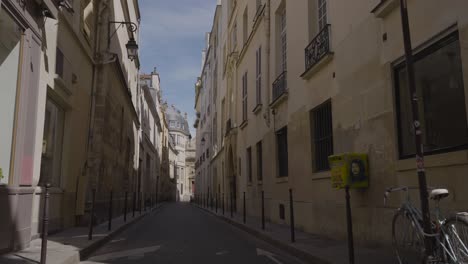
{"type": "Point", "coordinates": [298, 81]}
{"type": "Point", "coordinates": [75, 116]}
{"type": "Point", "coordinates": [180, 137]}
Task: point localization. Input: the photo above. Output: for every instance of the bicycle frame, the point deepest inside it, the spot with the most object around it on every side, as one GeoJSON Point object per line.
{"type": "Point", "coordinates": [442, 240]}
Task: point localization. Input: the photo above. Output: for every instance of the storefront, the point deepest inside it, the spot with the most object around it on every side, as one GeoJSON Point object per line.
{"type": "Point", "coordinates": [20, 115]}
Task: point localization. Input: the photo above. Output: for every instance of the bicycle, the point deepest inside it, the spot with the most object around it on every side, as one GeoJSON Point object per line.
{"type": "Point", "coordinates": [449, 235]}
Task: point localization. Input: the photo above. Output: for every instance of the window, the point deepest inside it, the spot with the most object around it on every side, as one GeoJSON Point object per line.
{"type": "Point", "coordinates": [282, 35]}
{"type": "Point", "coordinates": [322, 133]}
{"type": "Point", "coordinates": [258, 83]}
{"type": "Point", "coordinates": [249, 164]}
{"type": "Point", "coordinates": [87, 23]}
{"type": "Point", "coordinates": [59, 63]}
{"type": "Point", "coordinates": [281, 211]}
{"type": "Point", "coordinates": [259, 161]}
{"type": "Point", "coordinates": [244, 97]}
{"type": "Point", "coordinates": [10, 43]}
{"type": "Point", "coordinates": [282, 145]}
{"type": "Point", "coordinates": [215, 129]}
{"type": "Point", "coordinates": [148, 166]}
{"type": "Point", "coordinates": [322, 13]}
{"type": "Point", "coordinates": [245, 26]}
{"type": "Point", "coordinates": [51, 161]}
{"type": "Point", "coordinates": [440, 88]}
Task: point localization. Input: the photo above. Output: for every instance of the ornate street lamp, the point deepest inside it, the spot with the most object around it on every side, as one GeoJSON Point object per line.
{"type": "Point", "coordinates": [132, 46]}
{"type": "Point", "coordinates": [132, 49]}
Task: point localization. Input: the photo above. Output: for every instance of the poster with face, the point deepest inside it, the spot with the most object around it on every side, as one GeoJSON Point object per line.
{"type": "Point", "coordinates": [350, 169]}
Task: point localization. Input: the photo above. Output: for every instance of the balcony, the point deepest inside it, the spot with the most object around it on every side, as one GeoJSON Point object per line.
{"type": "Point", "coordinates": [280, 88]}
{"type": "Point", "coordinates": [317, 50]}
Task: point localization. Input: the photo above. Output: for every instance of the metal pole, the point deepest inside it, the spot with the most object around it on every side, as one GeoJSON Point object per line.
{"type": "Point", "coordinates": [144, 202]}
{"type": "Point", "coordinates": [223, 202]}
{"type": "Point", "coordinates": [157, 190]}
{"type": "Point", "coordinates": [291, 207]}
{"type": "Point", "coordinates": [232, 213]}
{"type": "Point", "coordinates": [91, 217]}
{"type": "Point", "coordinates": [216, 203]}
{"type": "Point", "coordinates": [125, 207]}
{"type": "Point", "coordinates": [263, 210]}
{"type": "Point", "coordinates": [423, 193]}
{"type": "Point", "coordinates": [139, 201]}
{"type": "Point", "coordinates": [349, 222]}
{"type": "Point", "coordinates": [134, 204]}
{"type": "Point", "coordinates": [45, 225]}
{"type": "Point", "coordinates": [109, 226]}
{"type": "Point", "coordinates": [244, 211]}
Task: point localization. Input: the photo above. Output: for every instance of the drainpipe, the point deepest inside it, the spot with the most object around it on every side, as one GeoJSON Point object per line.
{"type": "Point", "coordinates": [266, 114]}
{"type": "Point", "coordinates": [96, 62]}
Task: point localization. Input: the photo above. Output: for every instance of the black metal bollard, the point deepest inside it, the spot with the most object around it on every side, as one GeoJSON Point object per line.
{"type": "Point", "coordinates": [291, 207]}
{"type": "Point", "coordinates": [216, 203]}
{"type": "Point", "coordinates": [109, 226]}
{"type": "Point", "coordinates": [157, 191]}
{"type": "Point", "coordinates": [244, 211]}
{"type": "Point", "coordinates": [139, 201]}
{"type": "Point", "coordinates": [134, 204]}
{"type": "Point", "coordinates": [349, 221]}
{"type": "Point", "coordinates": [45, 225]}
{"type": "Point", "coordinates": [263, 210]}
{"type": "Point", "coordinates": [91, 217]}
{"type": "Point", "coordinates": [144, 202]}
{"type": "Point", "coordinates": [222, 201]}
{"type": "Point", "coordinates": [125, 207]}
{"type": "Point", "coordinates": [232, 207]}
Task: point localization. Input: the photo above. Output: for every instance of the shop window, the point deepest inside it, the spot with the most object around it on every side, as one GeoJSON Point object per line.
{"type": "Point", "coordinates": [440, 91]}
{"type": "Point", "coordinates": [52, 145]}
{"type": "Point", "coordinates": [10, 45]}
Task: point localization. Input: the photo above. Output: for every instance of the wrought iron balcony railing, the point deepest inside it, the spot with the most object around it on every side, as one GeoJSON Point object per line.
{"type": "Point", "coordinates": [280, 86]}
{"type": "Point", "coordinates": [318, 48]}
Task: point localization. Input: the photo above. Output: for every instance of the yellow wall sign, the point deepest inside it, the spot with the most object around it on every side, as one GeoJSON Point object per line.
{"type": "Point", "coordinates": [350, 169]}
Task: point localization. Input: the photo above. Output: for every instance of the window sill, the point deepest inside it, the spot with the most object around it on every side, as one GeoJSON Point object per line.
{"type": "Point", "coordinates": [257, 108]}
{"type": "Point", "coordinates": [279, 100]}
{"type": "Point", "coordinates": [321, 175]}
{"type": "Point", "coordinates": [433, 161]}
{"type": "Point", "coordinates": [384, 8]}
{"type": "Point", "coordinates": [317, 67]}
{"type": "Point", "coordinates": [244, 124]}
{"type": "Point", "coordinates": [282, 179]}
{"type": "Point", "coordinates": [63, 85]}
{"type": "Point", "coordinates": [259, 182]}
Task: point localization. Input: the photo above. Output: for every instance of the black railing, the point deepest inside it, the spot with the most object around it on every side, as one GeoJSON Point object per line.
{"type": "Point", "coordinates": [280, 86]}
{"type": "Point", "coordinates": [318, 48]}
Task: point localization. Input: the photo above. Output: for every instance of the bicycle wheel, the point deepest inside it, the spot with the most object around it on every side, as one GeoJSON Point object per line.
{"type": "Point", "coordinates": [408, 242]}
{"type": "Point", "coordinates": [456, 231]}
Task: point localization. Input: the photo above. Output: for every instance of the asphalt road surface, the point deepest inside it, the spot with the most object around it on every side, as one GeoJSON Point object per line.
{"type": "Point", "coordinates": [182, 233]}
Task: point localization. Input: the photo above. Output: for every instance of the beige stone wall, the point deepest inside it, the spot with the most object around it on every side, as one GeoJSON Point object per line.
{"type": "Point", "coordinates": [358, 80]}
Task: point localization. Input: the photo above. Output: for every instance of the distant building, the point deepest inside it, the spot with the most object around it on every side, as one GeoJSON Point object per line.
{"type": "Point", "coordinates": [180, 137]}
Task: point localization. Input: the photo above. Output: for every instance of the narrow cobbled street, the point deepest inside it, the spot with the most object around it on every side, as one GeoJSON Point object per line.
{"type": "Point", "coordinates": [183, 233]}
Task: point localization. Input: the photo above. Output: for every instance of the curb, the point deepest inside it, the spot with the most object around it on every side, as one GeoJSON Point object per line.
{"type": "Point", "coordinates": [301, 254]}
{"type": "Point", "coordinates": [85, 252]}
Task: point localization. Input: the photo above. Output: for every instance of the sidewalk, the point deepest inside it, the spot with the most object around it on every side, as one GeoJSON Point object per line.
{"type": "Point", "coordinates": [71, 245]}
{"type": "Point", "coordinates": [309, 247]}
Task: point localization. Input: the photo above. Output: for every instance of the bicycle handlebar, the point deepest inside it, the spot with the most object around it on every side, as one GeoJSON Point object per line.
{"type": "Point", "coordinates": [402, 188]}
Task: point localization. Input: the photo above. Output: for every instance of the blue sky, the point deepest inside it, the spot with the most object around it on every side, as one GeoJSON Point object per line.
{"type": "Point", "coordinates": [172, 38]}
